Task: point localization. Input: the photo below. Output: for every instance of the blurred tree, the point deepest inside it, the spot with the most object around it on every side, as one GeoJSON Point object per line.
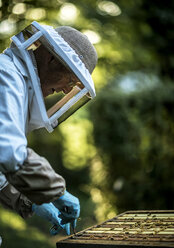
{"type": "Point", "coordinates": [154, 22]}
{"type": "Point", "coordinates": [134, 136]}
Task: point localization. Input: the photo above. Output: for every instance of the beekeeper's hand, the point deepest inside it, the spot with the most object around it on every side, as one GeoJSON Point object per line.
{"type": "Point", "coordinates": [50, 213]}
{"type": "Point", "coordinates": [69, 207]}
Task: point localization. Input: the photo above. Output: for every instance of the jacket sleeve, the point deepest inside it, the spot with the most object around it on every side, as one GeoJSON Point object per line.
{"type": "Point", "coordinates": [12, 199]}
{"type": "Point", "coordinates": [29, 173]}
{"type": "Point", "coordinates": [37, 180]}
{"type": "Point", "coordinates": [13, 141]}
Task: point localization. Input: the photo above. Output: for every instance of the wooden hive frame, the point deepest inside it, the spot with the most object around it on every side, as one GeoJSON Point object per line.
{"type": "Point", "coordinates": [132, 229]}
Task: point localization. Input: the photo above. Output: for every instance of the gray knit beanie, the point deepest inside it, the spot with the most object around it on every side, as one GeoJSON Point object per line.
{"type": "Point", "coordinates": [81, 44]}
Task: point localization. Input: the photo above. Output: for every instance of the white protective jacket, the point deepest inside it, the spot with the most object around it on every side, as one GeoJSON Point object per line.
{"type": "Point", "coordinates": [33, 178]}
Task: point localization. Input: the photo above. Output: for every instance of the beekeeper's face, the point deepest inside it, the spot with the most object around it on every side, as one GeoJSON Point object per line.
{"type": "Point", "coordinates": [54, 76]}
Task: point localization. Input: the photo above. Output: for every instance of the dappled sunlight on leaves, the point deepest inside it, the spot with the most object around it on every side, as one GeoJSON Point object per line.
{"type": "Point", "coordinates": [108, 7]}
{"type": "Point", "coordinates": [100, 78]}
{"type": "Point", "coordinates": [104, 208]}
{"type": "Point", "coordinates": [94, 37]}
{"type": "Point", "coordinates": [98, 172]}
{"type": "Point", "coordinates": [68, 13]}
{"type": "Point", "coordinates": [12, 220]}
{"type": "Point", "coordinates": [77, 150]}
{"type": "Point", "coordinates": [19, 8]}
{"type": "Point", "coordinates": [35, 14]}
{"type": "Point", "coordinates": [15, 229]}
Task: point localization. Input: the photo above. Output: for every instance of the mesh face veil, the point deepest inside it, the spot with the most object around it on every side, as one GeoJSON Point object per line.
{"type": "Point", "coordinates": [32, 37]}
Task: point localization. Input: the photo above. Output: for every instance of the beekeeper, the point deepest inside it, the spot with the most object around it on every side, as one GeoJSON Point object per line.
{"type": "Point", "coordinates": [40, 61]}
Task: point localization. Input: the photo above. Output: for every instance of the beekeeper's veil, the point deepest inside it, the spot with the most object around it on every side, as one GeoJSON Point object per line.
{"type": "Point", "coordinates": [75, 51]}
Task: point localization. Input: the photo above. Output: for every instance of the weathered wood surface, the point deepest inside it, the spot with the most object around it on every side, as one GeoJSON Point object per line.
{"type": "Point", "coordinates": [130, 229]}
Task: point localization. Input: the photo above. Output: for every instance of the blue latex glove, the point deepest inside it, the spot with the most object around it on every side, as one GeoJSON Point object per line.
{"type": "Point", "coordinates": [69, 207]}
{"type": "Point", "coordinates": [50, 213]}
{"type": "Point", "coordinates": [55, 229]}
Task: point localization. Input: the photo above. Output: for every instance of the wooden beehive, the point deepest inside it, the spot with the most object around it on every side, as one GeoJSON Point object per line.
{"type": "Point", "coordinates": [132, 229]}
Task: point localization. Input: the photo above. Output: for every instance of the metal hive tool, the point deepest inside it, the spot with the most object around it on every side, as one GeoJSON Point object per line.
{"type": "Point", "coordinates": [132, 229]}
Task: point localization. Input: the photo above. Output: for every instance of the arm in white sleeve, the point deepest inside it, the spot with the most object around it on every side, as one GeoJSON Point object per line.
{"type": "Point", "coordinates": [29, 173]}
{"type": "Point", "coordinates": [13, 141]}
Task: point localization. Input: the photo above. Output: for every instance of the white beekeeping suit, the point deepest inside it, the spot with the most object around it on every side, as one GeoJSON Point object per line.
{"type": "Point", "coordinates": [16, 106]}
{"type": "Point", "coordinates": [29, 177]}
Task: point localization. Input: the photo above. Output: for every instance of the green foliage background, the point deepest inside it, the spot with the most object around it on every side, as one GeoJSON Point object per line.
{"type": "Point", "coordinates": [116, 153]}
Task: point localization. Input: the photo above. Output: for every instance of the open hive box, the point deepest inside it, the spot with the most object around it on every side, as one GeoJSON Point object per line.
{"type": "Point", "coordinates": [131, 229]}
